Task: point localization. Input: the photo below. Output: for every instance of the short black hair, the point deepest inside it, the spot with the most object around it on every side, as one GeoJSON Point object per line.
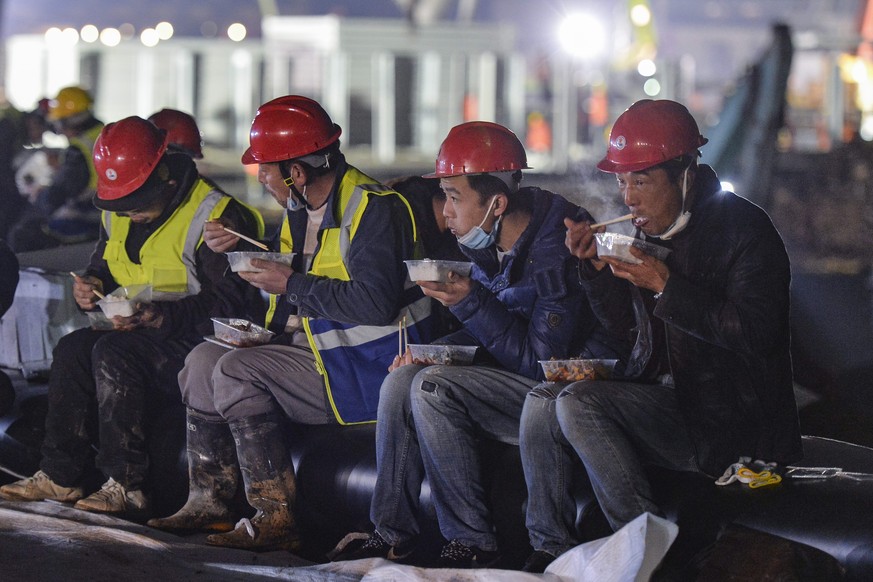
{"type": "Point", "coordinates": [488, 185]}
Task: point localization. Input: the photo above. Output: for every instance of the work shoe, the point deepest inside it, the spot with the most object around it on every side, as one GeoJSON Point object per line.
{"type": "Point", "coordinates": [360, 546]}
{"type": "Point", "coordinates": [38, 488]}
{"type": "Point", "coordinates": [457, 555]}
{"type": "Point", "coordinates": [115, 499]}
{"type": "Point", "coordinates": [537, 562]}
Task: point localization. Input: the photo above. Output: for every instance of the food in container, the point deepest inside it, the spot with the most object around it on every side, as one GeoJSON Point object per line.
{"type": "Point", "coordinates": [612, 244]}
{"type": "Point", "coordinates": [447, 355]}
{"type": "Point", "coordinates": [240, 332]}
{"type": "Point", "coordinates": [242, 261]}
{"type": "Point", "coordinates": [436, 270]}
{"type": "Point", "coordinates": [122, 302]}
{"type": "Point", "coordinates": [574, 370]}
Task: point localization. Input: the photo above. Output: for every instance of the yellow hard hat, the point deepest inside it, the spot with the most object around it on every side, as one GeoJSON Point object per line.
{"type": "Point", "coordinates": [70, 101]}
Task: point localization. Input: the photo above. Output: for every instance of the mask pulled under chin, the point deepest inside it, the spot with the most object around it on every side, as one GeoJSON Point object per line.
{"type": "Point", "coordinates": [678, 226]}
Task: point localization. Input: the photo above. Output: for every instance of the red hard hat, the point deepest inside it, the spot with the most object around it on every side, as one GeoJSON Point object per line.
{"type": "Point", "coordinates": [125, 154]}
{"type": "Point", "coordinates": [649, 133]}
{"type": "Point", "coordinates": [479, 147]}
{"type": "Point", "coordinates": [289, 127]}
{"type": "Point", "coordinates": [182, 130]}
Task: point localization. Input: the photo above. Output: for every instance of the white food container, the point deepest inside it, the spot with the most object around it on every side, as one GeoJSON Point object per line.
{"type": "Point", "coordinates": [612, 244]}
{"type": "Point", "coordinates": [242, 261]}
{"type": "Point", "coordinates": [123, 301]}
{"type": "Point", "coordinates": [436, 270]}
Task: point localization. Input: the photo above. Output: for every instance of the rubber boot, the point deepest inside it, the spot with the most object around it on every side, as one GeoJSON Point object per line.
{"type": "Point", "coordinates": [270, 487]}
{"type": "Point", "coordinates": [212, 479]}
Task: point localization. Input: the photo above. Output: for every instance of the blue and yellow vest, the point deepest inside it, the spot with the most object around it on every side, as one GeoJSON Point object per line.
{"type": "Point", "coordinates": [354, 359]}
{"type": "Point", "coordinates": [168, 257]}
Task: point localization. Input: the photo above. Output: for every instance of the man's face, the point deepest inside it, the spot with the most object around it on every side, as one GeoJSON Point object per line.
{"type": "Point", "coordinates": [463, 208]}
{"type": "Point", "coordinates": [144, 215]}
{"type": "Point", "coordinates": [654, 201]}
{"type": "Point", "coordinates": [270, 176]}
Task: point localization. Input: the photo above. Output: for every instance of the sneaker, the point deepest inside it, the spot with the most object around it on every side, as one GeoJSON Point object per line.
{"type": "Point", "coordinates": [457, 555]}
{"type": "Point", "coordinates": [360, 546]}
{"type": "Point", "coordinates": [113, 498]}
{"type": "Point", "coordinates": [538, 561]}
{"type": "Point", "coordinates": [38, 488]}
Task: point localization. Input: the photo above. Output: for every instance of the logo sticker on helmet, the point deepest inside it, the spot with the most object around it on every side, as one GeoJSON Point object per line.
{"type": "Point", "coordinates": [620, 142]}
{"type": "Point", "coordinates": [111, 174]}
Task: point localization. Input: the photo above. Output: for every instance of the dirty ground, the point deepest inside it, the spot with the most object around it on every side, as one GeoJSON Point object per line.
{"type": "Point", "coordinates": [47, 541]}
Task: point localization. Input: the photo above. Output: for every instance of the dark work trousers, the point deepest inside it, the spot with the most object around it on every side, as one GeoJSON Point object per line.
{"type": "Point", "coordinates": [104, 387]}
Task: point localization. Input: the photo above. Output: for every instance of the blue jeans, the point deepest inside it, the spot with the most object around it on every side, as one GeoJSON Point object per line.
{"type": "Point", "coordinates": [549, 464]}
{"type": "Point", "coordinates": [617, 428]}
{"type": "Point", "coordinates": [454, 407]}
{"type": "Point", "coordinates": [399, 469]}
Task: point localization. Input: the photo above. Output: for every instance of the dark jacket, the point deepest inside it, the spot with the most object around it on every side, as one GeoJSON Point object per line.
{"type": "Point", "coordinates": [532, 307]}
{"type": "Point", "coordinates": [219, 296]}
{"type": "Point", "coordinates": [725, 309]}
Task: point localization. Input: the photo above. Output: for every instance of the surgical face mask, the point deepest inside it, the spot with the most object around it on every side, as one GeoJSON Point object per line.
{"type": "Point", "coordinates": [682, 220]}
{"type": "Point", "coordinates": [293, 203]}
{"type": "Point", "coordinates": [476, 238]}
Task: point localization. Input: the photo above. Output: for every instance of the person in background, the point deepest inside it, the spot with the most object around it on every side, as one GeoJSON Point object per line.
{"type": "Point", "coordinates": [709, 379]}
{"type": "Point", "coordinates": [522, 303]}
{"type": "Point", "coordinates": [62, 212]}
{"type": "Point", "coordinates": [183, 134]}
{"type": "Point", "coordinates": [8, 276]}
{"type": "Point", "coordinates": [335, 311]}
{"type": "Point", "coordinates": [20, 133]}
{"type": "Point", "coordinates": [105, 384]}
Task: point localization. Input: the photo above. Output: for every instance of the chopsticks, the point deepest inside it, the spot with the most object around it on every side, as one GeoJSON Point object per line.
{"type": "Point", "coordinates": [245, 238]}
{"type": "Point", "coordinates": [95, 291]}
{"type": "Point", "coordinates": [612, 221]}
{"type": "Point", "coordinates": [402, 337]}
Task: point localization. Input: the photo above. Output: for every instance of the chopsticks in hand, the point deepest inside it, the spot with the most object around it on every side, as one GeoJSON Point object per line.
{"type": "Point", "coordinates": [244, 237]}
{"type": "Point", "coordinates": [402, 337]}
{"type": "Point", "coordinates": [612, 221]}
{"type": "Point", "coordinates": [95, 291]}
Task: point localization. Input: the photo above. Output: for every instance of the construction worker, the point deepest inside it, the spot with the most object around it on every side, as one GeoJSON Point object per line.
{"type": "Point", "coordinates": [336, 312]}
{"type": "Point", "coordinates": [709, 379]}
{"type": "Point", "coordinates": [104, 385]}
{"type": "Point", "coordinates": [522, 303]}
{"type": "Point", "coordinates": [182, 131]}
{"type": "Point", "coordinates": [63, 212]}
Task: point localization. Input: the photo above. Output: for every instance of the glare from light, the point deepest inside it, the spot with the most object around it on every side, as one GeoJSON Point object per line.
{"type": "Point", "coordinates": [70, 36]}
{"type": "Point", "coordinates": [110, 36]}
{"type": "Point", "coordinates": [652, 87]}
{"type": "Point", "coordinates": [127, 31]}
{"type": "Point", "coordinates": [236, 32]}
{"type": "Point", "coordinates": [640, 15]}
{"type": "Point", "coordinates": [727, 186]}
{"type": "Point", "coordinates": [149, 37]}
{"type": "Point", "coordinates": [866, 129]}
{"type": "Point", "coordinates": [89, 33]}
{"type": "Point", "coordinates": [647, 68]}
{"type": "Point", "coordinates": [582, 35]}
{"type": "Point", "coordinates": [53, 36]}
{"type": "Point", "coordinates": [165, 30]}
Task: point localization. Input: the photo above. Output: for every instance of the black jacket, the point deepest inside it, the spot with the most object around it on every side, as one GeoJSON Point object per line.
{"type": "Point", "coordinates": [725, 312]}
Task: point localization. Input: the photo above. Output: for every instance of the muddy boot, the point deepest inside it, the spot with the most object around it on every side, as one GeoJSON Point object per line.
{"type": "Point", "coordinates": [270, 487]}
{"type": "Point", "coordinates": [212, 479]}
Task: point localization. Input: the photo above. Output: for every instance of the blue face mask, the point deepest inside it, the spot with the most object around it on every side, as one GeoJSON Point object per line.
{"type": "Point", "coordinates": [293, 204]}
{"type": "Point", "coordinates": [476, 238]}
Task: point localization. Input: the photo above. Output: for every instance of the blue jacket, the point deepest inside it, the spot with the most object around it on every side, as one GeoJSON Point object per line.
{"type": "Point", "coordinates": [532, 306]}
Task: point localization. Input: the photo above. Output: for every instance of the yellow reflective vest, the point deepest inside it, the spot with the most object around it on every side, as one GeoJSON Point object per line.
{"type": "Point", "coordinates": [168, 257]}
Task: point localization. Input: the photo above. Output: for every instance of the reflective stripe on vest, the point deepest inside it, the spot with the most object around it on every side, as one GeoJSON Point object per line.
{"type": "Point", "coordinates": [354, 359]}
{"type": "Point", "coordinates": [286, 245]}
{"type": "Point", "coordinates": [168, 258]}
